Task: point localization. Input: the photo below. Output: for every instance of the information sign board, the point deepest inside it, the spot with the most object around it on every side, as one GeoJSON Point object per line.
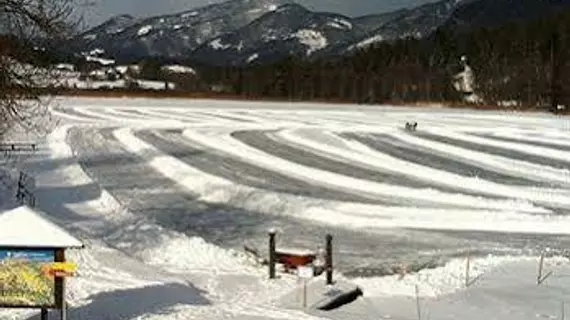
{"type": "Point", "coordinates": [23, 280]}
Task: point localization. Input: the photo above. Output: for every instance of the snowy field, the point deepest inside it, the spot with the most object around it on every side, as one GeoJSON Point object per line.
{"type": "Point", "coordinates": [167, 192]}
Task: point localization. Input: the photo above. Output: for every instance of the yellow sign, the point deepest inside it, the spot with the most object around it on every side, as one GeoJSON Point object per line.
{"type": "Point", "coordinates": [68, 267]}
{"type": "Point", "coordinates": [60, 269]}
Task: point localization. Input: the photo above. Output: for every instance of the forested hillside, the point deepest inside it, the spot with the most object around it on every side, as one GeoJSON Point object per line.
{"type": "Point", "coordinates": [522, 61]}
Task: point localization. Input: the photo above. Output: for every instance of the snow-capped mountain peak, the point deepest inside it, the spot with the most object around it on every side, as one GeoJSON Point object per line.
{"type": "Point", "coordinates": [174, 35]}
{"type": "Point", "coordinates": [239, 32]}
{"type": "Point", "coordinates": [290, 29]}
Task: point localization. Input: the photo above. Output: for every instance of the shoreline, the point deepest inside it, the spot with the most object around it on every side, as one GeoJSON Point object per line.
{"type": "Point", "coordinates": [157, 94]}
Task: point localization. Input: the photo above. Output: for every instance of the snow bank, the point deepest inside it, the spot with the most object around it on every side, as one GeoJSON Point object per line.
{"type": "Point", "coordinates": [177, 252]}
{"type": "Point", "coordinates": [505, 291]}
{"type": "Point", "coordinates": [444, 280]}
{"type": "Point", "coordinates": [319, 294]}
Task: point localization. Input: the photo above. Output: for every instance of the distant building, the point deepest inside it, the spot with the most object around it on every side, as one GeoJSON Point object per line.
{"type": "Point", "coordinates": [464, 82]}
{"type": "Point", "coordinates": [65, 67]}
{"type": "Point", "coordinates": [179, 69]}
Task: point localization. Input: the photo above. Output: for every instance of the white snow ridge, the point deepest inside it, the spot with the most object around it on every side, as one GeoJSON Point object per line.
{"type": "Point", "coordinates": [165, 194]}
{"type": "Point", "coordinates": [218, 45]}
{"type": "Point", "coordinates": [367, 42]}
{"type": "Point", "coordinates": [314, 40]}
{"type": "Point", "coordinates": [144, 30]}
{"type": "Point", "coordinates": [253, 57]}
{"type": "Point", "coordinates": [340, 24]}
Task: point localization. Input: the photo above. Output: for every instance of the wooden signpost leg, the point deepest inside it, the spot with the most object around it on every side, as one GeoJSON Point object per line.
{"type": "Point", "coordinates": [60, 286]}
{"type": "Point", "coordinates": [272, 261]}
{"type": "Point", "coordinates": [329, 259]}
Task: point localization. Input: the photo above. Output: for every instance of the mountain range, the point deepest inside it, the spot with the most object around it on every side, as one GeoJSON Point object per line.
{"type": "Point", "coordinates": [243, 32]}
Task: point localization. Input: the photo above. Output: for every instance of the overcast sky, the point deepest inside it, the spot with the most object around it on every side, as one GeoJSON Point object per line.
{"type": "Point", "coordinates": [104, 9]}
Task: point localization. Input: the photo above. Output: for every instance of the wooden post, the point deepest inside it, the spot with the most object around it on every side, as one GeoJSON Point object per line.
{"type": "Point", "coordinates": [329, 259]}
{"type": "Point", "coordinates": [19, 192]}
{"type": "Point", "coordinates": [272, 233]}
{"type": "Point", "coordinates": [60, 286]}
{"type": "Point", "coordinates": [44, 314]}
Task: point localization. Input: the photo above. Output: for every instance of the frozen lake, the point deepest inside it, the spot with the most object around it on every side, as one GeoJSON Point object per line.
{"type": "Point", "coordinates": [488, 182]}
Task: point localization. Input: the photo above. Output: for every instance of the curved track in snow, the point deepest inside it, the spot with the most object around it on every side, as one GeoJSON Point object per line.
{"type": "Point", "coordinates": [227, 171]}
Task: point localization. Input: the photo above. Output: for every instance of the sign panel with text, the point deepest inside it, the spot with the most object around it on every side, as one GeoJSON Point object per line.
{"type": "Point", "coordinates": [25, 280]}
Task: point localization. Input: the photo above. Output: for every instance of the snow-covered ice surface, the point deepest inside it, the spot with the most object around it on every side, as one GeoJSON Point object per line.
{"type": "Point", "coordinates": [166, 192]}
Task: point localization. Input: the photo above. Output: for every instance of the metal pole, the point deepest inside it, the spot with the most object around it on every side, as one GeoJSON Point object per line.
{"type": "Point", "coordinates": [540, 266]}
{"type": "Point", "coordinates": [418, 306]}
{"type": "Point", "coordinates": [272, 233]}
{"type": "Point", "coordinates": [44, 314]}
{"type": "Point", "coordinates": [329, 259]}
{"type": "Point", "coordinates": [304, 293]}
{"type": "Point", "coordinates": [467, 267]}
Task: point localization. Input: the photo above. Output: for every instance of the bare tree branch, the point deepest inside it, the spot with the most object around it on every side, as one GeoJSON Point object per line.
{"type": "Point", "coordinates": [22, 74]}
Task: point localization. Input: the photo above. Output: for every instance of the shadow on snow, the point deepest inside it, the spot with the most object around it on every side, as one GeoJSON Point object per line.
{"type": "Point", "coordinates": [133, 303]}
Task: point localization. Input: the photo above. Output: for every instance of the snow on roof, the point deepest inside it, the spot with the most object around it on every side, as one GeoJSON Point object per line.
{"type": "Point", "coordinates": [178, 69]}
{"type": "Point", "coordinates": [25, 227]}
{"type": "Point", "coordinates": [101, 61]}
{"type": "Point", "coordinates": [295, 251]}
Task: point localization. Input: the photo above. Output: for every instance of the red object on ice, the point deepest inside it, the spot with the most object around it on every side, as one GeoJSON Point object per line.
{"type": "Point", "coordinates": [293, 258]}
